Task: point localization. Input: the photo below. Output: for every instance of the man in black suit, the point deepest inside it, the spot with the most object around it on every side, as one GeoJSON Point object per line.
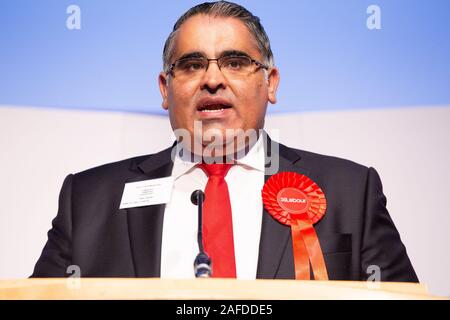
{"type": "Point", "coordinates": [219, 74]}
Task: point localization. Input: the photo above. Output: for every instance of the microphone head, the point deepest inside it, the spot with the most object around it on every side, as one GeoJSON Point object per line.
{"type": "Point", "coordinates": [195, 196]}
{"type": "Point", "coordinates": [202, 266]}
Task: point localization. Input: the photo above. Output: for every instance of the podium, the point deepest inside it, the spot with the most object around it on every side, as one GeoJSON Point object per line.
{"type": "Point", "coordinates": [205, 289]}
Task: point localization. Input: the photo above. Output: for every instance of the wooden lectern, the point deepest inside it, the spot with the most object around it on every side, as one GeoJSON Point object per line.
{"type": "Point", "coordinates": [205, 289]}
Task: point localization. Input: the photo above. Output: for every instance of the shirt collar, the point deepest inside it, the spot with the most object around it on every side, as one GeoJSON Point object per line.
{"type": "Point", "coordinates": [181, 167]}
{"type": "Point", "coordinates": [254, 159]}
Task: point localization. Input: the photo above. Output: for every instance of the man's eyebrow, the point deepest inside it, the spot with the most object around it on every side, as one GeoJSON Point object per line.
{"type": "Point", "coordinates": [238, 53]}
{"type": "Point", "coordinates": [195, 54]}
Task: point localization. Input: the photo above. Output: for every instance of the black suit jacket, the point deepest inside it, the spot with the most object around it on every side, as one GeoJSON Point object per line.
{"type": "Point", "coordinates": [91, 232]}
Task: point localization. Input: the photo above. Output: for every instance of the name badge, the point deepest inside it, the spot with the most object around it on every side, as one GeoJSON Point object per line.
{"type": "Point", "coordinates": [146, 193]}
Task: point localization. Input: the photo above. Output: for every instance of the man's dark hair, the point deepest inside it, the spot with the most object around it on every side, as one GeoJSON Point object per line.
{"type": "Point", "coordinates": [223, 9]}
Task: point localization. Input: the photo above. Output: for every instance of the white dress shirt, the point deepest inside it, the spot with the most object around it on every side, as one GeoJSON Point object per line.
{"type": "Point", "coordinates": [179, 238]}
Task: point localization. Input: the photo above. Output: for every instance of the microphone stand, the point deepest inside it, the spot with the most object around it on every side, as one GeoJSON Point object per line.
{"type": "Point", "coordinates": [202, 263]}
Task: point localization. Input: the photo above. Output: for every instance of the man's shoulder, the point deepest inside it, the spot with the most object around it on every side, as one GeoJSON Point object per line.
{"type": "Point", "coordinates": [326, 163]}
{"type": "Point", "coordinates": [123, 168]}
{"type": "Point", "coordinates": [115, 166]}
{"type": "Point", "coordinates": [338, 177]}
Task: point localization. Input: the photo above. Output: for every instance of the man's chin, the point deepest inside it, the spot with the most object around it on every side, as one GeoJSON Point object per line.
{"type": "Point", "coordinates": [217, 141]}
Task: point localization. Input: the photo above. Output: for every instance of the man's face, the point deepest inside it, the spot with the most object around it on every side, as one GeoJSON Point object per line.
{"type": "Point", "coordinates": [245, 97]}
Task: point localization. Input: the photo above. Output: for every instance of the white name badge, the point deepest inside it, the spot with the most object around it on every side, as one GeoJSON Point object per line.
{"type": "Point", "coordinates": [146, 193]}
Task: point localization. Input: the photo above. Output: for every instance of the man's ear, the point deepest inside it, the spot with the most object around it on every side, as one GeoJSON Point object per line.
{"type": "Point", "coordinates": [163, 79]}
{"type": "Point", "coordinates": [273, 79]}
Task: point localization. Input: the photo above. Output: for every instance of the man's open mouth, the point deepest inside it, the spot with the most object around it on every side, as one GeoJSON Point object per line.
{"type": "Point", "coordinates": [213, 107]}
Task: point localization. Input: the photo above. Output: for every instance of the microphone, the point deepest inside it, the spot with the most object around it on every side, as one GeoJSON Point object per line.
{"type": "Point", "coordinates": [202, 263]}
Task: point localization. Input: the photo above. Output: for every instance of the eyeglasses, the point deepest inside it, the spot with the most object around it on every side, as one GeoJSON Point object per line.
{"type": "Point", "coordinates": [231, 66]}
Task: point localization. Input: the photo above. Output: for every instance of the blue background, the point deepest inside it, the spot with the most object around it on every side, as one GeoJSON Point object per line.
{"type": "Point", "coordinates": [327, 57]}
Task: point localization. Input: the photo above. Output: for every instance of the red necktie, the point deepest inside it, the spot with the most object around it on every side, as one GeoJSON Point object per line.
{"type": "Point", "coordinates": [217, 222]}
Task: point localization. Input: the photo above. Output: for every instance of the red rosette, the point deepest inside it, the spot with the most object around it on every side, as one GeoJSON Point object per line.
{"type": "Point", "coordinates": [289, 195]}
{"type": "Point", "coordinates": [294, 199]}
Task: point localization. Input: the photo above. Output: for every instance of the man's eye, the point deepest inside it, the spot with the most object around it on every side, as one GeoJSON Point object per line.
{"type": "Point", "coordinates": [195, 66]}
{"type": "Point", "coordinates": [191, 65]}
{"type": "Point", "coordinates": [233, 63]}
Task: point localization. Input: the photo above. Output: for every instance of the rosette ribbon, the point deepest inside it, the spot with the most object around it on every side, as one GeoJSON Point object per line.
{"type": "Point", "coordinates": [294, 199]}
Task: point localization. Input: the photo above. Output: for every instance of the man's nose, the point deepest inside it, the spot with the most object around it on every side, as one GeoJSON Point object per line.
{"type": "Point", "coordinates": [213, 78]}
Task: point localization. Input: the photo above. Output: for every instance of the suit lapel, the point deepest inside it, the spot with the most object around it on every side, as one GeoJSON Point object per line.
{"type": "Point", "coordinates": [145, 224]}
{"type": "Point", "coordinates": [275, 249]}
